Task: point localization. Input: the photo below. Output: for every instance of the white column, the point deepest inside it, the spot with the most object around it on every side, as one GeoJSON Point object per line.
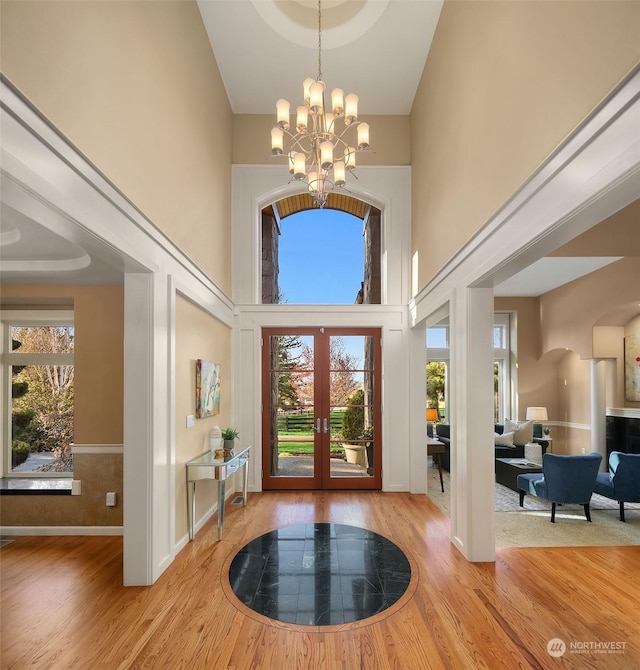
{"type": "Point", "coordinates": [418, 458]}
{"type": "Point", "coordinates": [599, 409]}
{"type": "Point", "coordinates": [471, 411]}
{"type": "Point", "coordinates": [149, 496]}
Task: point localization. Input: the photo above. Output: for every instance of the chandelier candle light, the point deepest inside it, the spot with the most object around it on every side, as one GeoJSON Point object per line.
{"type": "Point", "coordinates": [319, 154]}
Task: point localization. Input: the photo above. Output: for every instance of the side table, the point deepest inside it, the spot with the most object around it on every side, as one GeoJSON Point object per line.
{"type": "Point", "coordinates": [206, 466]}
{"type": "Point", "coordinates": [435, 448]}
{"type": "Point", "coordinates": [545, 443]}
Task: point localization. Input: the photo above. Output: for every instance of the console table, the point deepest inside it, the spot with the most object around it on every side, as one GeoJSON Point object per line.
{"type": "Point", "coordinates": [207, 466]}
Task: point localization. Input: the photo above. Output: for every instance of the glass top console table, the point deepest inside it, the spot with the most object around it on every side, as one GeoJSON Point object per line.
{"type": "Point", "coordinates": [207, 466]}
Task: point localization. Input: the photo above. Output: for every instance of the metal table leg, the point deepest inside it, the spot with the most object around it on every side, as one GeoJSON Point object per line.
{"type": "Point", "coordinates": [191, 507]}
{"type": "Point", "coordinates": [221, 493]}
{"type": "Point", "coordinates": [245, 483]}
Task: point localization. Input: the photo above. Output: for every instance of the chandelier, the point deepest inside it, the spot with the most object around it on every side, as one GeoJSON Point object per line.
{"type": "Point", "coordinates": [322, 150]}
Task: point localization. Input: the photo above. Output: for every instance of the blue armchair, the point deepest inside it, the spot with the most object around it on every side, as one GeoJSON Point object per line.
{"type": "Point", "coordinates": [622, 482]}
{"type": "Point", "coordinates": [564, 480]}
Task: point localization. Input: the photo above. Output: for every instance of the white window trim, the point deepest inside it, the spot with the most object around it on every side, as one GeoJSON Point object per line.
{"type": "Point", "coordinates": [27, 317]}
{"type": "Point", "coordinates": [503, 356]}
{"type": "Point", "coordinates": [500, 354]}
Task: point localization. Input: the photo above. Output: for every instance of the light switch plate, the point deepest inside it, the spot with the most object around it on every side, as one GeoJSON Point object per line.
{"type": "Point", "coordinates": [190, 420]}
{"type": "Point", "coordinates": [111, 499]}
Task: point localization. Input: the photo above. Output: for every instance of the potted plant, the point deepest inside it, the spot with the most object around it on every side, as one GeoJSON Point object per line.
{"type": "Point", "coordinates": [229, 435]}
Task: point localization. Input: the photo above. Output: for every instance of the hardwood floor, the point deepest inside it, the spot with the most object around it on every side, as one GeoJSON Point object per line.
{"type": "Point", "coordinates": [63, 606]}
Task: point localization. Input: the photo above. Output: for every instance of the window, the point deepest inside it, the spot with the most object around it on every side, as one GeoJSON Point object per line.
{"type": "Point", "coordinates": [38, 380]}
{"type": "Point", "coordinates": [438, 362]}
{"type": "Point", "coordinates": [437, 372]}
{"type": "Point", "coordinates": [501, 368]}
{"type": "Point", "coordinates": [438, 369]}
{"type": "Point", "coordinates": [321, 256]}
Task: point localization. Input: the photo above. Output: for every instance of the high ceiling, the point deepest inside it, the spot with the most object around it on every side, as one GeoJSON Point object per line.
{"type": "Point", "coordinates": [376, 49]}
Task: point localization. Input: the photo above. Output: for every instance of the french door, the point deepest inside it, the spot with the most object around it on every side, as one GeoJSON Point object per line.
{"type": "Point", "coordinates": [321, 408]}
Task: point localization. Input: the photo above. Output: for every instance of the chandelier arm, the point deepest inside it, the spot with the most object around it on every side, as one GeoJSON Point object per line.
{"type": "Point", "coordinates": [344, 132]}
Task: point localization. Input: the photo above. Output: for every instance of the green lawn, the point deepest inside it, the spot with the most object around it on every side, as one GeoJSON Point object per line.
{"type": "Point", "coordinates": [302, 448]}
{"type": "Point", "coordinates": [307, 447]}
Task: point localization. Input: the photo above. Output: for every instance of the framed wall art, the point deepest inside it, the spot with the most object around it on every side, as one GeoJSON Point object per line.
{"type": "Point", "coordinates": [632, 367]}
{"type": "Point", "coordinates": [207, 388]}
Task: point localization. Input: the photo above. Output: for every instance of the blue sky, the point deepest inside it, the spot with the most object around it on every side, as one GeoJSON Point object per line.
{"type": "Point", "coordinates": [321, 254]}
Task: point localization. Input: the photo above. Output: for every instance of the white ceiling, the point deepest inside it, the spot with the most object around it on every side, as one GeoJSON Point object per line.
{"type": "Point", "coordinates": [549, 273]}
{"type": "Point", "coordinates": [376, 49]}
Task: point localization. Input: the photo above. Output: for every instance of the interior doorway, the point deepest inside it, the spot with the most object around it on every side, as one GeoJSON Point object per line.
{"type": "Point", "coordinates": [321, 408]}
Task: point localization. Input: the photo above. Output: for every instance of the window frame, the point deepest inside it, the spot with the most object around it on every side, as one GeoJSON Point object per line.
{"type": "Point", "coordinates": [501, 357]}
{"type": "Point", "coordinates": [9, 358]}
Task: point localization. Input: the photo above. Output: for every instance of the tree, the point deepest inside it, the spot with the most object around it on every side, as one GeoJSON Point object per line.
{"type": "Point", "coordinates": [353, 420]}
{"type": "Point", "coordinates": [435, 383]}
{"type": "Point", "coordinates": [22, 422]}
{"type": "Point", "coordinates": [343, 381]}
{"type": "Point", "coordinates": [49, 395]}
{"type": "Point", "coordinates": [342, 367]}
{"type": "Point", "coordinates": [286, 364]}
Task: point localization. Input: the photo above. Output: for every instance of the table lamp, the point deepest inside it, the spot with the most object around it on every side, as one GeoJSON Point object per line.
{"type": "Point", "coordinates": [432, 416]}
{"type": "Point", "coordinates": [537, 415]}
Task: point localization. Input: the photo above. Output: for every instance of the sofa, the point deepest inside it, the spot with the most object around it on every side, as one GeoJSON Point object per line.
{"type": "Point", "coordinates": [443, 431]}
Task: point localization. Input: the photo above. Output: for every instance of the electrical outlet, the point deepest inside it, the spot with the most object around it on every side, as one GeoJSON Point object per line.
{"type": "Point", "coordinates": [584, 451]}
{"type": "Point", "coordinates": [111, 499]}
{"type": "Point", "coordinates": [76, 487]}
{"type": "Point", "coordinates": [190, 421]}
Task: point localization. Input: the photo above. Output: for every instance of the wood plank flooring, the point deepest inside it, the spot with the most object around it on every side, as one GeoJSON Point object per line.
{"type": "Point", "coordinates": [63, 606]}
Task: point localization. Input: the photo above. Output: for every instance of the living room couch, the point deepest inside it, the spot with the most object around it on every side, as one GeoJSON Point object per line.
{"type": "Point", "coordinates": [443, 431]}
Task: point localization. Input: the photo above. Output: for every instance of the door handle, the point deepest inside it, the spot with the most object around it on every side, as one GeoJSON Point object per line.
{"type": "Point", "coordinates": [326, 425]}
{"type": "Point", "coordinates": [317, 425]}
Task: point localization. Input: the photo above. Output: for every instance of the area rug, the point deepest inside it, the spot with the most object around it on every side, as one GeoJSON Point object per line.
{"type": "Point", "coordinates": [530, 526]}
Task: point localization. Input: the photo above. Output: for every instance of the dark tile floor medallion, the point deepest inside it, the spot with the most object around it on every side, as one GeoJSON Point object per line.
{"type": "Point", "coordinates": [319, 574]}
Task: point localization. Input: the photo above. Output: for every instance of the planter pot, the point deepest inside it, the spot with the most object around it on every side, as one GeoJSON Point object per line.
{"type": "Point", "coordinates": [229, 448]}
{"type": "Point", "coordinates": [356, 454]}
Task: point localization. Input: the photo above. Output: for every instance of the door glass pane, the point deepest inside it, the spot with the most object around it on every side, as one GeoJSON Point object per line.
{"type": "Point", "coordinates": [291, 435]}
{"type": "Point", "coordinates": [351, 399]}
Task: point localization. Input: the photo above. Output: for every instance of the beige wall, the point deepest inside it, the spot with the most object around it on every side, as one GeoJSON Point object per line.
{"type": "Point", "coordinates": [390, 140]}
{"type": "Point", "coordinates": [558, 335]}
{"type": "Point", "coordinates": [536, 383]}
{"type": "Point", "coordinates": [198, 335]}
{"type": "Point", "coordinates": [135, 86]}
{"type": "Point", "coordinates": [504, 84]}
{"type": "Point", "coordinates": [570, 312]}
{"type": "Point", "coordinates": [574, 405]}
{"type": "Point", "coordinates": [98, 405]}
